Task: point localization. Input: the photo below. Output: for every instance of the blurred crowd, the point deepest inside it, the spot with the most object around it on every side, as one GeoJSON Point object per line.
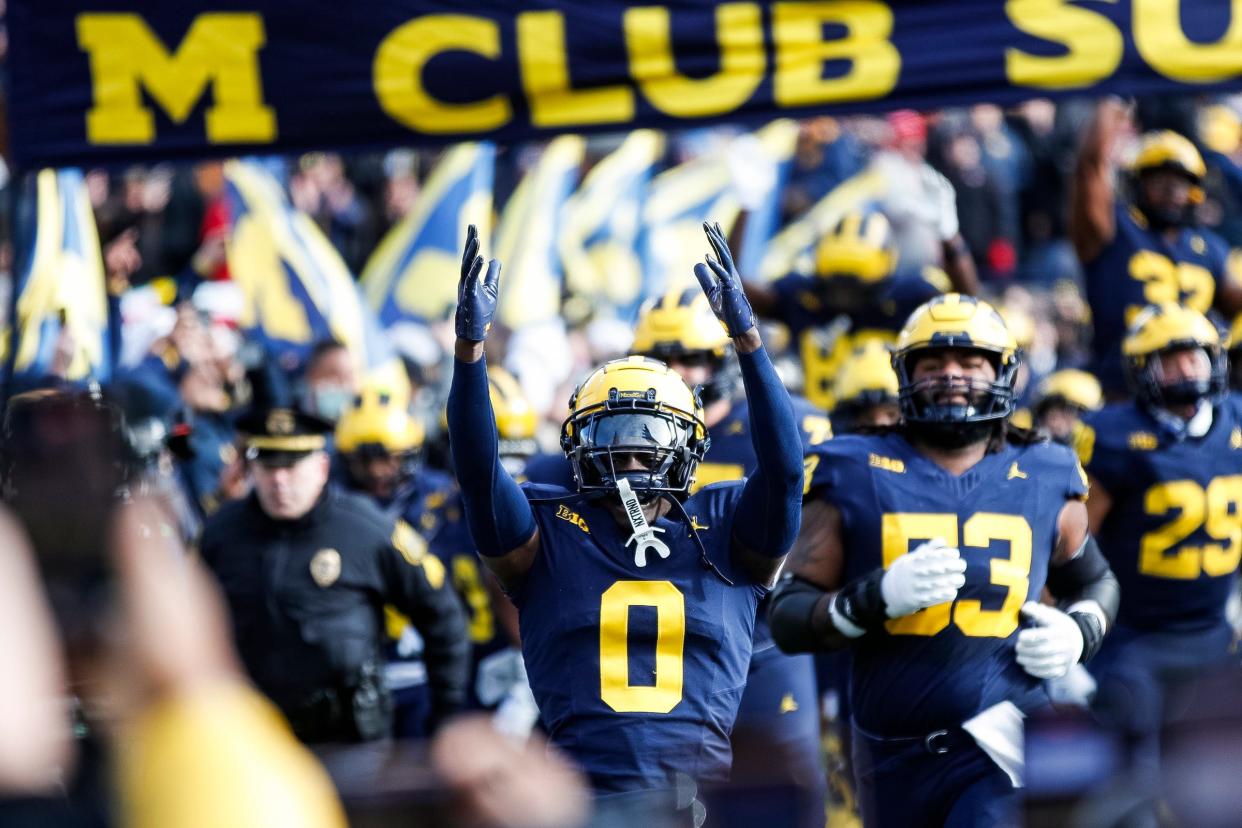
{"type": "Point", "coordinates": [1010, 171]}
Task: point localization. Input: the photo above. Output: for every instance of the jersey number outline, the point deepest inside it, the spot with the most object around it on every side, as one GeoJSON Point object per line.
{"type": "Point", "coordinates": [1166, 281]}
{"type": "Point", "coordinates": [1217, 509]}
{"type": "Point", "coordinates": [899, 529]}
{"type": "Point", "coordinates": [614, 646]}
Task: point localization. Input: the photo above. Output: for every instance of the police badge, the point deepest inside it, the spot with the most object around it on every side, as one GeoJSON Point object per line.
{"type": "Point", "coordinates": [325, 567]}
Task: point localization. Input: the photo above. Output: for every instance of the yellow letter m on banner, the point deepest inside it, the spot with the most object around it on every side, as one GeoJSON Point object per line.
{"type": "Point", "coordinates": [219, 49]}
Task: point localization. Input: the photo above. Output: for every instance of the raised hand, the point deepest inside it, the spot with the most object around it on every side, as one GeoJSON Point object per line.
{"type": "Point", "coordinates": [722, 284]}
{"type": "Point", "coordinates": [476, 300]}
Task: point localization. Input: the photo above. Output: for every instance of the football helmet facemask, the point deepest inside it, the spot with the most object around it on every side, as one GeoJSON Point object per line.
{"type": "Point", "coordinates": [1170, 327]}
{"type": "Point", "coordinates": [635, 418]}
{"type": "Point", "coordinates": [965, 323]}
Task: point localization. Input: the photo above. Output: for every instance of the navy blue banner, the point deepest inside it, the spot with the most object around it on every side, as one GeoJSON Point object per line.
{"type": "Point", "coordinates": [122, 80]}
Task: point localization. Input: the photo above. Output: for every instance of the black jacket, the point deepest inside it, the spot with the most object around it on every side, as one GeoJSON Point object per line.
{"type": "Point", "coordinates": [307, 596]}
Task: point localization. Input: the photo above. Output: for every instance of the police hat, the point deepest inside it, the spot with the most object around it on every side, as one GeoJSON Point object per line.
{"type": "Point", "coordinates": [280, 435]}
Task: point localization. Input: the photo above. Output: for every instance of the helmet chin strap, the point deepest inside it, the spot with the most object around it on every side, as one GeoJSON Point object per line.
{"type": "Point", "coordinates": [644, 537]}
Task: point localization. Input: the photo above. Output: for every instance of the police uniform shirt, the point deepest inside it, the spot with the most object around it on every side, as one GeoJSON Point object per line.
{"type": "Point", "coordinates": [941, 666]}
{"type": "Point", "coordinates": [637, 671]}
{"type": "Point", "coordinates": [306, 596]}
{"type": "Point", "coordinates": [1174, 533]}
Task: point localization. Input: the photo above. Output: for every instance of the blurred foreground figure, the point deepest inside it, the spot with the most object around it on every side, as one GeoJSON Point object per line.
{"type": "Point", "coordinates": [143, 642]}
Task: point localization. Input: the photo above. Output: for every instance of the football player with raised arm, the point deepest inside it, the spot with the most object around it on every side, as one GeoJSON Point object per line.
{"type": "Point", "coordinates": [636, 600]}
{"type": "Point", "coordinates": [1145, 249]}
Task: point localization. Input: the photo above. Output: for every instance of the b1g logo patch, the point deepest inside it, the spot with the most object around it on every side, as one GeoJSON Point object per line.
{"type": "Point", "coordinates": [325, 567]}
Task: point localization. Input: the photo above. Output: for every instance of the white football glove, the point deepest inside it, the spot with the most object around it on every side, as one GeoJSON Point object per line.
{"type": "Point", "coordinates": [931, 574]}
{"type": "Point", "coordinates": [1050, 648]}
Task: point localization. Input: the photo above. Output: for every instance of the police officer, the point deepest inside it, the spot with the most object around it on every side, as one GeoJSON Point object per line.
{"type": "Point", "coordinates": [307, 569]}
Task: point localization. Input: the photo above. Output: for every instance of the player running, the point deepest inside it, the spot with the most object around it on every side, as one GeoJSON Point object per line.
{"type": "Point", "coordinates": [924, 549]}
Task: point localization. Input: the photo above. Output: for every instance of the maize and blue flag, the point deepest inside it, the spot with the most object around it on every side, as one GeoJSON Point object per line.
{"type": "Point", "coordinates": [599, 238]}
{"type": "Point", "coordinates": [412, 275]}
{"type": "Point", "coordinates": [678, 201]}
{"type": "Point", "coordinates": [792, 249]}
{"type": "Point", "coordinates": [62, 301]}
{"type": "Point", "coordinates": [298, 289]}
{"type": "Point", "coordinates": [743, 173]}
{"type": "Point", "coordinates": [777, 140]}
{"type": "Point", "coordinates": [526, 236]}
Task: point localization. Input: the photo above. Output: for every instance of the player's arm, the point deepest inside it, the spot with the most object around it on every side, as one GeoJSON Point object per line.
{"type": "Point", "coordinates": [1079, 576]}
{"type": "Point", "coordinates": [812, 609]}
{"type": "Point", "coordinates": [498, 513]}
{"type": "Point", "coordinates": [1099, 504]}
{"type": "Point", "coordinates": [955, 256]}
{"type": "Point", "coordinates": [416, 585]}
{"type": "Point", "coordinates": [771, 497]}
{"type": "Point", "coordinates": [959, 265]}
{"type": "Point", "coordinates": [1092, 224]}
{"type": "Point", "coordinates": [1228, 296]}
{"type": "Point", "coordinates": [799, 613]}
{"type": "Point", "coordinates": [1083, 584]}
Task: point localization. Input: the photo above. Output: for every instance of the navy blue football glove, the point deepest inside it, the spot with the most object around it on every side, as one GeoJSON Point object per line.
{"type": "Point", "coordinates": [476, 301]}
{"type": "Point", "coordinates": [723, 286]}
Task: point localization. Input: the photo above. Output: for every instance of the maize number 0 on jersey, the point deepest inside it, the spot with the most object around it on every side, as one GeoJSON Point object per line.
{"type": "Point", "coordinates": [901, 531]}
{"type": "Point", "coordinates": [614, 646]}
{"type": "Point", "coordinates": [1217, 509]}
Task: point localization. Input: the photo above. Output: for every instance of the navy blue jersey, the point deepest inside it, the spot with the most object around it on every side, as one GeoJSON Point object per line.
{"type": "Point", "coordinates": [454, 546]}
{"type": "Point", "coordinates": [942, 665]}
{"type": "Point", "coordinates": [638, 671]}
{"type": "Point", "coordinates": [1174, 533]}
{"type": "Point", "coordinates": [732, 452]}
{"type": "Point", "coordinates": [552, 469]}
{"type": "Point", "coordinates": [805, 309]}
{"type": "Point", "coordinates": [1140, 267]}
{"type": "Point", "coordinates": [732, 457]}
{"type": "Point", "coordinates": [429, 502]}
